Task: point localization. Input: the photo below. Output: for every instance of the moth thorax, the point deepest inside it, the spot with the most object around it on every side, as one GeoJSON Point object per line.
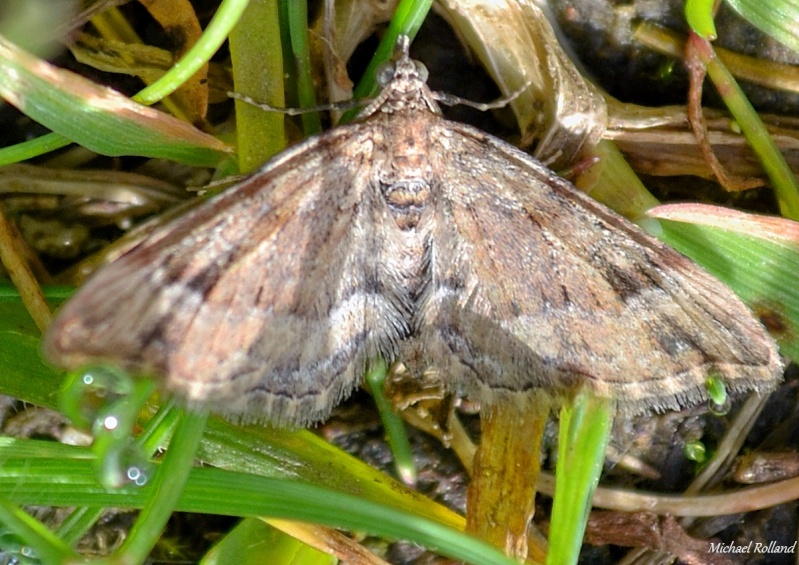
{"type": "Point", "coordinates": [407, 200]}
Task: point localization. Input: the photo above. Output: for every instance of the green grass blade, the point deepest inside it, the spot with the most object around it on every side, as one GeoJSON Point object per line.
{"type": "Point", "coordinates": [297, 19]}
{"type": "Point", "coordinates": [97, 117]}
{"type": "Point", "coordinates": [776, 18]}
{"type": "Point", "coordinates": [761, 271]}
{"type": "Point", "coordinates": [246, 543]}
{"type": "Point", "coordinates": [24, 373]}
{"type": "Point", "coordinates": [393, 424]}
{"type": "Point", "coordinates": [67, 482]}
{"type": "Point", "coordinates": [257, 57]}
{"type": "Point", "coordinates": [407, 20]}
{"type": "Point", "coordinates": [786, 187]}
{"type": "Point", "coordinates": [33, 148]}
{"type": "Point", "coordinates": [46, 546]}
{"type": "Point", "coordinates": [165, 492]}
{"type": "Point", "coordinates": [215, 34]}
{"type": "Point", "coordinates": [699, 14]}
{"type": "Point", "coordinates": [584, 431]}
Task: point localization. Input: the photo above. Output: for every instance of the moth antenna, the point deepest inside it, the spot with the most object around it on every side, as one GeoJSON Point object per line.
{"type": "Point", "coordinates": [452, 100]}
{"type": "Point", "coordinates": [334, 106]}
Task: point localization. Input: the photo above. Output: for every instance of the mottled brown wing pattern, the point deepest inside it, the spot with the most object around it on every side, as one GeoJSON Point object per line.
{"type": "Point", "coordinates": [412, 238]}
{"type": "Point", "coordinates": [545, 287]}
{"type": "Point", "coordinates": [254, 300]}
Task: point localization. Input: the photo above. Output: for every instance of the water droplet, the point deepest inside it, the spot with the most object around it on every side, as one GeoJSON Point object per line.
{"type": "Point", "coordinates": [719, 409]}
{"type": "Point", "coordinates": [85, 392]}
{"type": "Point", "coordinates": [696, 451]}
{"type": "Point", "coordinates": [716, 389]}
{"type": "Point", "coordinates": [110, 422]}
{"type": "Point", "coordinates": [137, 476]}
{"type": "Point", "coordinates": [123, 463]}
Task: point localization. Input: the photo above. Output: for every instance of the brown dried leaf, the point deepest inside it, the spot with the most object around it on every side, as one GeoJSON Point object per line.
{"type": "Point", "coordinates": [501, 495]}
{"type": "Point", "coordinates": [518, 47]}
{"type": "Point", "coordinates": [179, 20]}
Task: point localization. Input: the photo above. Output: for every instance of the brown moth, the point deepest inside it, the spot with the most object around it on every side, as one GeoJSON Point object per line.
{"type": "Point", "coordinates": [411, 237]}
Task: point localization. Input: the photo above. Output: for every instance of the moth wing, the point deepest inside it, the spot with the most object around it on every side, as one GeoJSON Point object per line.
{"type": "Point", "coordinates": [541, 286]}
{"type": "Point", "coordinates": [251, 303]}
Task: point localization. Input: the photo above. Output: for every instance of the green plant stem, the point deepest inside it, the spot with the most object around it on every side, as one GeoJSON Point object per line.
{"type": "Point", "coordinates": [33, 148]}
{"type": "Point", "coordinates": [159, 429]}
{"type": "Point", "coordinates": [777, 18]}
{"type": "Point", "coordinates": [408, 18]}
{"type": "Point", "coordinates": [584, 431]}
{"type": "Point", "coordinates": [297, 16]}
{"type": "Point", "coordinates": [167, 487]}
{"type": "Point", "coordinates": [211, 490]}
{"type": "Point", "coordinates": [782, 178]}
{"type": "Point", "coordinates": [47, 546]}
{"type": "Point", "coordinates": [257, 57]}
{"type": "Point", "coordinates": [80, 521]}
{"type": "Point", "coordinates": [393, 424]}
{"type": "Point", "coordinates": [215, 34]}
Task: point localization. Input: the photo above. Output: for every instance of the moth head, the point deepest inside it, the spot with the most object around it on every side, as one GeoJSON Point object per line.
{"type": "Point", "coordinates": [403, 82]}
{"type": "Point", "coordinates": [401, 68]}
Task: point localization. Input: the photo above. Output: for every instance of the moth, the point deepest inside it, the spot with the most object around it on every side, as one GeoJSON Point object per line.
{"type": "Point", "coordinates": [407, 236]}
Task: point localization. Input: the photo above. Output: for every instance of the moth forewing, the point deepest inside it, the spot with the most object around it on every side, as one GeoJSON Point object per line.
{"type": "Point", "coordinates": [417, 239]}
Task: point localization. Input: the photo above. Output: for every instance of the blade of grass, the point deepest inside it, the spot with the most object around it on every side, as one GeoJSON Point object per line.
{"type": "Point", "coordinates": [210, 490]}
{"type": "Point", "coordinates": [584, 431]}
{"type": "Point", "coordinates": [47, 547]}
{"type": "Point", "coordinates": [245, 545]}
{"type": "Point", "coordinates": [98, 117]}
{"type": "Point", "coordinates": [257, 56]}
{"type": "Point", "coordinates": [777, 18]}
{"type": "Point", "coordinates": [305, 456]}
{"type": "Point", "coordinates": [215, 34]}
{"type": "Point", "coordinates": [296, 12]}
{"type": "Point", "coordinates": [166, 489]}
{"type": "Point", "coordinates": [699, 14]}
{"type": "Point", "coordinates": [393, 424]}
{"type": "Point", "coordinates": [761, 272]}
{"type": "Point", "coordinates": [408, 18]}
{"type": "Point", "coordinates": [25, 375]}
{"type": "Point", "coordinates": [80, 521]}
{"type": "Point", "coordinates": [32, 148]}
